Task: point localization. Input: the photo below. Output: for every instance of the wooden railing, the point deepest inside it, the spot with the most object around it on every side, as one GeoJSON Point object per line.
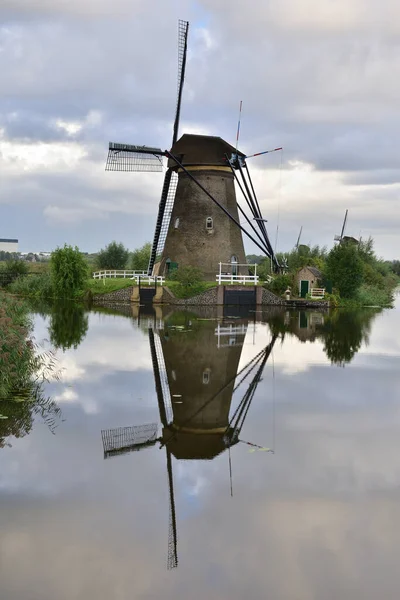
{"type": "Point", "coordinates": [229, 278]}
{"type": "Point", "coordinates": [133, 275]}
{"type": "Point", "coordinates": [112, 274]}
{"type": "Point", "coordinates": [317, 293]}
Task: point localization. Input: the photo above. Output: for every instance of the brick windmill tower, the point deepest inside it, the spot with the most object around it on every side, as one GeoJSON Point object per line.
{"type": "Point", "coordinates": [198, 220]}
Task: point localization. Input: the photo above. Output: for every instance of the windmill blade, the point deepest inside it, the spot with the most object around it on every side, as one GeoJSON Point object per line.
{"type": "Point", "coordinates": [344, 224]}
{"type": "Point", "coordinates": [298, 239]}
{"type": "Point", "coordinates": [128, 439]}
{"type": "Point", "coordinates": [164, 216]}
{"type": "Point", "coordinates": [127, 157]}
{"type": "Point", "coordinates": [171, 178]}
{"type": "Point", "coordinates": [183, 30]}
{"type": "Point", "coordinates": [172, 560]}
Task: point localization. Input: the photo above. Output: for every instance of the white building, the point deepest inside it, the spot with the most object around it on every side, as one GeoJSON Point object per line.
{"type": "Point", "coordinates": [7, 245]}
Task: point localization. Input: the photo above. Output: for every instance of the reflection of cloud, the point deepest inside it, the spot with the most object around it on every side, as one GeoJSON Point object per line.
{"type": "Point", "coordinates": [292, 356]}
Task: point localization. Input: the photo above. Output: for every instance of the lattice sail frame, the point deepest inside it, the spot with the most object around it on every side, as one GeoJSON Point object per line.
{"type": "Point", "coordinates": [128, 439]}
{"type": "Point", "coordinates": [130, 158]}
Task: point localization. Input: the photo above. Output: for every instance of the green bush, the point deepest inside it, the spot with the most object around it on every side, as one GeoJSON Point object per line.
{"type": "Point", "coordinates": [139, 260]}
{"type": "Point", "coordinates": [280, 283]}
{"type": "Point", "coordinates": [187, 276]}
{"type": "Point", "coordinates": [113, 256]}
{"type": "Point", "coordinates": [68, 271]}
{"type": "Point", "coordinates": [369, 295]}
{"type": "Point", "coordinates": [37, 286]}
{"type": "Point", "coordinates": [344, 268]}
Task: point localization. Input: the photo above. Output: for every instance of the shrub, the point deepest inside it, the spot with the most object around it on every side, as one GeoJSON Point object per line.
{"type": "Point", "coordinates": [369, 295]}
{"type": "Point", "coordinates": [38, 286]}
{"type": "Point", "coordinates": [280, 283]}
{"type": "Point", "coordinates": [113, 256]}
{"type": "Point", "coordinates": [344, 268]}
{"type": "Point", "coordinates": [139, 260]}
{"type": "Point", "coordinates": [68, 271]}
{"type": "Point", "coordinates": [187, 276]}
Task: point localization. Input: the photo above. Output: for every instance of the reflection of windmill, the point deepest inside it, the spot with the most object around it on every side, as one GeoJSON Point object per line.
{"type": "Point", "coordinates": [197, 195]}
{"type": "Point", "coordinates": [196, 423]}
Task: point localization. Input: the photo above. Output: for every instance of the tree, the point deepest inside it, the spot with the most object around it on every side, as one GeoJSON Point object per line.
{"type": "Point", "coordinates": [140, 258]}
{"type": "Point", "coordinates": [113, 256]}
{"type": "Point", "coordinates": [344, 268]}
{"type": "Point", "coordinates": [69, 271]}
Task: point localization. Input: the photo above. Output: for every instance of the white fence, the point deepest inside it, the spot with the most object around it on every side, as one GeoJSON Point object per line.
{"type": "Point", "coordinates": [133, 275]}
{"type": "Point", "coordinates": [232, 277]}
{"type": "Point", "coordinates": [112, 274]}
{"type": "Point", "coordinates": [317, 293]}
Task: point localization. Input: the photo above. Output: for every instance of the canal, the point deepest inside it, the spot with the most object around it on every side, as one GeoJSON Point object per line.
{"type": "Point", "coordinates": [201, 455]}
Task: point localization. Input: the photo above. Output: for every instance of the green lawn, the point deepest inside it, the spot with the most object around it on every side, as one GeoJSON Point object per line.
{"type": "Point", "coordinates": [102, 286]}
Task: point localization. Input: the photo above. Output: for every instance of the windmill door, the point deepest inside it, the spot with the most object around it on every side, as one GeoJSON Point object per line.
{"type": "Point", "coordinates": [304, 288]}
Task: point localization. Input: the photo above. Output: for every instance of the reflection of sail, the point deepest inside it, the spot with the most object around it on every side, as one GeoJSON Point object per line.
{"type": "Point", "coordinates": [195, 375]}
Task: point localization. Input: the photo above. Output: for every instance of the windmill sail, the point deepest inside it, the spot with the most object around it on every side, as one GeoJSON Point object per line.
{"type": "Point", "coordinates": [128, 439]}
{"type": "Point", "coordinates": [127, 157]}
{"type": "Point", "coordinates": [171, 178]}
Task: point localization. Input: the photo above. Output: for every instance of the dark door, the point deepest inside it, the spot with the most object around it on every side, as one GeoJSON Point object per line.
{"type": "Point", "coordinates": [147, 294]}
{"type": "Point", "coordinates": [240, 297]}
{"type": "Point", "coordinates": [304, 287]}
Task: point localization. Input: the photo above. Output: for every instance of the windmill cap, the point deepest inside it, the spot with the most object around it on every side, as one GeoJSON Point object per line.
{"type": "Point", "coordinates": [210, 150]}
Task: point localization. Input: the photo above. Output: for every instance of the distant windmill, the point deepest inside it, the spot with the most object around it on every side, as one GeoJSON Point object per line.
{"type": "Point", "coordinates": [298, 239]}
{"type": "Point", "coordinates": [197, 195]}
{"type": "Point", "coordinates": [196, 422]}
{"type": "Point", "coordinates": [339, 238]}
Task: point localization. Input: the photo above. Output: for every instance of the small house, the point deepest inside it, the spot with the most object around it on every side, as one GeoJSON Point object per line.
{"type": "Point", "coordinates": [307, 278]}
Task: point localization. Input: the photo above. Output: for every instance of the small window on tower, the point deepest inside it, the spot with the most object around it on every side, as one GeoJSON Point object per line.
{"type": "Point", "coordinates": [206, 376]}
{"type": "Point", "coordinates": [209, 224]}
{"type": "Point", "coordinates": [176, 223]}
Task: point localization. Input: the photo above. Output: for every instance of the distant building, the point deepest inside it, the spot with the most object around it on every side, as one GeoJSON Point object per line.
{"type": "Point", "coordinates": [307, 278]}
{"type": "Point", "coordinates": [8, 245]}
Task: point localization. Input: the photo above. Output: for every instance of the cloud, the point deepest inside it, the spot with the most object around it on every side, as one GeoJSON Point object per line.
{"type": "Point", "coordinates": [314, 78]}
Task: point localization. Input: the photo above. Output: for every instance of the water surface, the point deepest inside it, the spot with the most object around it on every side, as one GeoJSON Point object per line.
{"type": "Point", "coordinates": [180, 505]}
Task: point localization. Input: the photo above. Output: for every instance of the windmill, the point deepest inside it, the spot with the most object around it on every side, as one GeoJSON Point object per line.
{"type": "Point", "coordinates": [198, 194]}
{"type": "Point", "coordinates": [339, 238]}
{"type": "Point", "coordinates": [298, 239]}
{"type": "Point", "coordinates": [197, 422]}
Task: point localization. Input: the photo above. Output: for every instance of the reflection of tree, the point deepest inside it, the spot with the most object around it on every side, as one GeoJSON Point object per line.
{"type": "Point", "coordinates": [341, 331]}
{"type": "Point", "coordinates": [24, 371]}
{"type": "Point", "coordinates": [68, 325]}
{"type": "Point", "coordinates": [18, 412]}
{"type": "Point", "coordinates": [344, 332]}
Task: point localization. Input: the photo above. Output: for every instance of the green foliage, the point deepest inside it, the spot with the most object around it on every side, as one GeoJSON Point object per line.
{"type": "Point", "coordinates": [187, 276]}
{"type": "Point", "coordinates": [344, 268]}
{"type": "Point", "coordinates": [280, 283]}
{"type": "Point", "coordinates": [139, 260]}
{"type": "Point", "coordinates": [304, 256]}
{"type": "Point", "coordinates": [368, 295]}
{"type": "Point", "coordinates": [113, 256]}
{"type": "Point", "coordinates": [344, 332]}
{"type": "Point", "coordinates": [186, 282]}
{"type": "Point", "coordinates": [23, 372]}
{"type": "Point", "coordinates": [16, 267]}
{"type": "Point", "coordinates": [68, 325]}
{"type": "Point", "coordinates": [182, 291]}
{"type": "Point", "coordinates": [395, 267]}
{"type": "Point", "coordinates": [35, 286]}
{"type": "Point", "coordinates": [68, 271]}
{"type": "Point", "coordinates": [102, 286]}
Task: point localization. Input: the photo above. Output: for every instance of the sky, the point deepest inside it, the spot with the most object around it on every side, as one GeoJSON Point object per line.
{"type": "Point", "coordinates": [319, 78]}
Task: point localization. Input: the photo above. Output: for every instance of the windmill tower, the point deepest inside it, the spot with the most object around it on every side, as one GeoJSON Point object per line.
{"type": "Point", "coordinates": [194, 400]}
{"type": "Point", "coordinates": [198, 194]}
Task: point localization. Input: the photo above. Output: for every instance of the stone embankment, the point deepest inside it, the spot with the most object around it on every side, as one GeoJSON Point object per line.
{"type": "Point", "coordinates": [211, 297]}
